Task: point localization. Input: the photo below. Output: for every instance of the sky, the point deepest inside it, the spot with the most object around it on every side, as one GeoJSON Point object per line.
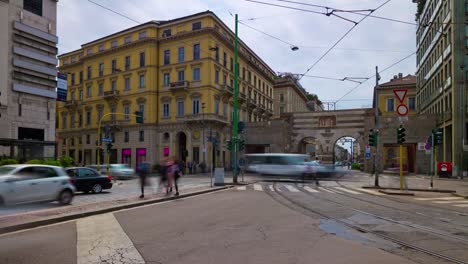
{"type": "Point", "coordinates": [372, 42]}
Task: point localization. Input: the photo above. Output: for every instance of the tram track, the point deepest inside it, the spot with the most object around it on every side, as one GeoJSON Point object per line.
{"type": "Point", "coordinates": [306, 210]}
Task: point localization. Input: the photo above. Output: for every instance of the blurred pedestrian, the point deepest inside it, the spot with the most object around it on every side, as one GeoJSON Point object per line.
{"type": "Point", "coordinates": [178, 172]}
{"type": "Point", "coordinates": [143, 170]}
{"type": "Point", "coordinates": [170, 170]}
{"type": "Point", "coordinates": [190, 164]}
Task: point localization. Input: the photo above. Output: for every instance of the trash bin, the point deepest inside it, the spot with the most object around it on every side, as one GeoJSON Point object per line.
{"type": "Point", "coordinates": [444, 169]}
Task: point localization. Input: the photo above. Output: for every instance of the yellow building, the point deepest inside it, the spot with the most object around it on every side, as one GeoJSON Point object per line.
{"type": "Point", "coordinates": [290, 96]}
{"type": "Point", "coordinates": [179, 73]}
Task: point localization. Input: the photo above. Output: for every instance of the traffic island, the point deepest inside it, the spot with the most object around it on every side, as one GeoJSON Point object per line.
{"type": "Point", "coordinates": [396, 192]}
{"type": "Point", "coordinates": [410, 189]}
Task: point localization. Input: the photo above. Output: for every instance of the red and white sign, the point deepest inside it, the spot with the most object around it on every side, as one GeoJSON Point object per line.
{"type": "Point", "coordinates": [402, 110]}
{"type": "Point", "coordinates": [400, 94]}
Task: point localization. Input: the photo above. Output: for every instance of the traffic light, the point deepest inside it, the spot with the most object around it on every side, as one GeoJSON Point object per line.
{"type": "Point", "coordinates": [109, 147]}
{"type": "Point", "coordinates": [438, 135]}
{"type": "Point", "coordinates": [373, 135]}
{"type": "Point", "coordinates": [229, 145]}
{"type": "Point", "coordinates": [139, 117]}
{"type": "Point", "coordinates": [401, 134]}
{"type": "Point", "coordinates": [241, 144]}
{"type": "Point", "coordinates": [240, 127]}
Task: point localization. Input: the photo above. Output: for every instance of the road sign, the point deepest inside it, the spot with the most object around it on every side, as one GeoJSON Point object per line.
{"type": "Point", "coordinates": [368, 152]}
{"type": "Point", "coordinates": [106, 140]}
{"type": "Point", "coordinates": [428, 145]}
{"type": "Point", "coordinates": [400, 94]}
{"type": "Point", "coordinates": [402, 110]}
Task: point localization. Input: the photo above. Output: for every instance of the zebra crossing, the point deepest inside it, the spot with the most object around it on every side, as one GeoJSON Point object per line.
{"type": "Point", "coordinates": [295, 189]}
{"type": "Point", "coordinates": [455, 201]}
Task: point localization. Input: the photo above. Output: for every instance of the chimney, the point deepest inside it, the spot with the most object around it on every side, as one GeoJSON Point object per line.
{"type": "Point", "coordinates": [394, 77]}
{"type": "Point", "coordinates": [400, 75]}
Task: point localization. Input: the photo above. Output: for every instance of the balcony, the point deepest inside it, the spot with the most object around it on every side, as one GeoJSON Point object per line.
{"type": "Point", "coordinates": [261, 107]}
{"type": "Point", "coordinates": [251, 103]}
{"type": "Point", "coordinates": [112, 96]}
{"type": "Point", "coordinates": [242, 97]}
{"type": "Point", "coordinates": [226, 90]}
{"type": "Point", "coordinates": [179, 86]}
{"type": "Point", "coordinates": [72, 104]}
{"type": "Point", "coordinates": [203, 118]}
{"type": "Point", "coordinates": [114, 124]}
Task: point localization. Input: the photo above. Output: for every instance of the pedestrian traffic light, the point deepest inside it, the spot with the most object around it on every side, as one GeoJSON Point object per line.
{"type": "Point", "coordinates": [139, 117]}
{"type": "Point", "coordinates": [241, 144]}
{"type": "Point", "coordinates": [401, 134]}
{"type": "Point", "coordinates": [373, 137]}
{"type": "Point", "coordinates": [109, 147]}
{"type": "Point", "coordinates": [438, 135]}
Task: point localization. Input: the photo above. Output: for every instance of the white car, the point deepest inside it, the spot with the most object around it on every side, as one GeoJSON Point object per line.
{"type": "Point", "coordinates": [25, 183]}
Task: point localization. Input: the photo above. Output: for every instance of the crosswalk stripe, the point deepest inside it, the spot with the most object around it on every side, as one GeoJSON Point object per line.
{"type": "Point", "coordinates": [271, 188]}
{"type": "Point", "coordinates": [291, 188]}
{"type": "Point", "coordinates": [451, 198]}
{"type": "Point", "coordinates": [369, 191]}
{"type": "Point", "coordinates": [101, 239]}
{"type": "Point", "coordinates": [450, 202]}
{"type": "Point", "coordinates": [241, 188]}
{"type": "Point", "coordinates": [460, 205]}
{"type": "Point", "coordinates": [346, 190]}
{"type": "Point", "coordinates": [323, 189]}
{"type": "Point", "coordinates": [307, 188]}
{"type": "Point", "coordinates": [258, 187]}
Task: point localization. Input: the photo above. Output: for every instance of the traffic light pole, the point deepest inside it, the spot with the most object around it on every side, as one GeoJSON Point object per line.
{"type": "Point", "coordinates": [376, 159]}
{"type": "Point", "coordinates": [401, 167]}
{"type": "Point", "coordinates": [432, 160]}
{"type": "Point", "coordinates": [236, 98]}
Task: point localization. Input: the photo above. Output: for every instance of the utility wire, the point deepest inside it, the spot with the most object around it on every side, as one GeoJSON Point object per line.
{"type": "Point", "coordinates": [341, 38]}
{"type": "Point", "coordinates": [385, 69]}
{"type": "Point", "coordinates": [271, 36]}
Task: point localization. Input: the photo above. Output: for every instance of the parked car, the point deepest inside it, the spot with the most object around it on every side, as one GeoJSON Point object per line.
{"type": "Point", "coordinates": [34, 183]}
{"type": "Point", "coordinates": [339, 163]}
{"type": "Point", "coordinates": [117, 171]}
{"type": "Point", "coordinates": [89, 180]}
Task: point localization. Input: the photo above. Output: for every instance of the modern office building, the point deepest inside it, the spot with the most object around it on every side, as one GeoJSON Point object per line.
{"type": "Point", "coordinates": [179, 73]}
{"type": "Point", "coordinates": [441, 75]}
{"type": "Point", "coordinates": [28, 48]}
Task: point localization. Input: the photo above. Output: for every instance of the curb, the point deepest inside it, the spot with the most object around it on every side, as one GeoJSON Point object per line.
{"type": "Point", "coordinates": [411, 189]}
{"type": "Point", "coordinates": [54, 220]}
{"type": "Point", "coordinates": [396, 193]}
{"type": "Point", "coordinates": [460, 195]}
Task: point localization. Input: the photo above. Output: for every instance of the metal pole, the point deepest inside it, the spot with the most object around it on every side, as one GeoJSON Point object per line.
{"type": "Point", "coordinates": [203, 133]}
{"type": "Point", "coordinates": [401, 167]}
{"type": "Point", "coordinates": [432, 161]}
{"type": "Point", "coordinates": [236, 98]}
{"type": "Point", "coordinates": [463, 124]}
{"type": "Point", "coordinates": [376, 168]}
{"type": "Point", "coordinates": [212, 158]}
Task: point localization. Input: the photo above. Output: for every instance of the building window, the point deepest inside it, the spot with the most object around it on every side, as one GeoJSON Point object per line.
{"type": "Point", "coordinates": [88, 118]}
{"type": "Point", "coordinates": [142, 81]}
{"type": "Point", "coordinates": [224, 59]}
{"type": "Point", "coordinates": [72, 120]}
{"type": "Point", "coordinates": [126, 136]}
{"type": "Point", "coordinates": [81, 77]}
{"type": "Point", "coordinates": [113, 85]}
{"type": "Point", "coordinates": [217, 54]}
{"type": "Point", "coordinates": [64, 121]}
{"type": "Point", "coordinates": [127, 63]}
{"type": "Point", "coordinates": [89, 72]}
{"type": "Point", "coordinates": [127, 84]}
{"type": "Point", "coordinates": [127, 112]}
{"type": "Point", "coordinates": [180, 108]}
{"type": "Point", "coordinates": [142, 35]}
{"type": "Point", "coordinates": [232, 64]}
{"type": "Point", "coordinates": [216, 76]}
{"type": "Point", "coordinates": [80, 120]}
{"type": "Point", "coordinates": [243, 73]}
{"type": "Point", "coordinates": [412, 103]}
{"type": "Point", "coordinates": [114, 65]}
{"type": "Point", "coordinates": [196, 26]}
{"type": "Point", "coordinates": [88, 139]}
{"type": "Point", "coordinates": [100, 114]}
{"type": "Point", "coordinates": [33, 6]}
{"type": "Point", "coordinates": [181, 54]}
{"type": "Point", "coordinates": [166, 79]}
{"type": "Point", "coordinates": [181, 75]}
{"type": "Point", "coordinates": [167, 57]}
{"type": "Point", "coordinates": [217, 107]}
{"type": "Point", "coordinates": [196, 74]}
{"type": "Point", "coordinates": [142, 59]}
{"type": "Point", "coordinates": [390, 105]}
{"type": "Point", "coordinates": [281, 98]}
{"type": "Point", "coordinates": [166, 110]}
{"type": "Point", "coordinates": [195, 106]}
{"type": "Point", "coordinates": [89, 52]}
{"type": "Point", "coordinates": [100, 89]}
{"type": "Point", "coordinates": [142, 136]}
{"type": "Point", "coordinates": [224, 79]}
{"type": "Point", "coordinates": [232, 83]}
{"type": "Point", "coordinates": [141, 109]}
{"type": "Point", "coordinates": [72, 79]}
{"type": "Point", "coordinates": [167, 33]}
{"type": "Point", "coordinates": [101, 47]}
{"type": "Point", "coordinates": [72, 95]}
{"type": "Point", "coordinates": [101, 69]}
{"type": "Point", "coordinates": [225, 110]}
{"type": "Point", "coordinates": [196, 52]}
{"type": "Point", "coordinates": [128, 39]}
{"type": "Point", "coordinates": [81, 95]}
{"type": "Point", "coordinates": [114, 44]}
{"type": "Point", "coordinates": [88, 91]}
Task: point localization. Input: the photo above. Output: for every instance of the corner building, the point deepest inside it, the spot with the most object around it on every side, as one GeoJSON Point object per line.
{"type": "Point", "coordinates": [180, 74]}
{"type": "Point", "coordinates": [442, 64]}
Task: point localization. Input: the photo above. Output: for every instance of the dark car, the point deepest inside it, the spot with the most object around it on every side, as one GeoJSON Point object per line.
{"type": "Point", "coordinates": [89, 180]}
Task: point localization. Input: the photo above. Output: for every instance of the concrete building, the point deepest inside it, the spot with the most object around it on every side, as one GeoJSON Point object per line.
{"type": "Point", "coordinates": [441, 75]}
{"type": "Point", "coordinates": [180, 74]}
{"type": "Point", "coordinates": [289, 95]}
{"type": "Point", "coordinates": [28, 48]}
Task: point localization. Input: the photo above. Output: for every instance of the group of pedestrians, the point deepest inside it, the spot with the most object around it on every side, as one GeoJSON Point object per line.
{"type": "Point", "coordinates": [171, 171]}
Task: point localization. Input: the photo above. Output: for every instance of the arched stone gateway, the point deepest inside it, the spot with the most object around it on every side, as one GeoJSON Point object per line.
{"type": "Point", "coordinates": [317, 132]}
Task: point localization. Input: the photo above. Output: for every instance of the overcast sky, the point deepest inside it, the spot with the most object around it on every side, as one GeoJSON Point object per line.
{"type": "Point", "coordinates": [373, 42]}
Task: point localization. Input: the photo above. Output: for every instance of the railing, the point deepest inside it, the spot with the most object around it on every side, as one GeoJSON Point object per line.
{"type": "Point", "coordinates": [179, 85]}
{"type": "Point", "coordinates": [113, 93]}
{"type": "Point", "coordinates": [205, 117]}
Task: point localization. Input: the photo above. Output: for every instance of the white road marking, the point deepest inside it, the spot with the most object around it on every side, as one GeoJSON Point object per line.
{"type": "Point", "coordinates": [369, 191]}
{"type": "Point", "coordinates": [451, 198]}
{"type": "Point", "coordinates": [241, 188]}
{"type": "Point", "coordinates": [101, 239]}
{"type": "Point", "coordinates": [450, 202]}
{"type": "Point", "coordinates": [323, 189]}
{"type": "Point", "coordinates": [346, 190]}
{"type": "Point", "coordinates": [271, 188]}
{"type": "Point", "coordinates": [460, 205]}
{"type": "Point", "coordinates": [307, 188]}
{"type": "Point", "coordinates": [291, 188]}
{"type": "Point", "coordinates": [258, 187]}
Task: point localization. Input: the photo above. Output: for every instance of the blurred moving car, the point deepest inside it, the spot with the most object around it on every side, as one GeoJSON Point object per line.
{"type": "Point", "coordinates": [339, 163]}
{"type": "Point", "coordinates": [24, 183]}
{"type": "Point", "coordinates": [117, 171]}
{"type": "Point", "coordinates": [315, 167]}
{"type": "Point", "coordinates": [276, 163]}
{"type": "Point", "coordinates": [89, 180]}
